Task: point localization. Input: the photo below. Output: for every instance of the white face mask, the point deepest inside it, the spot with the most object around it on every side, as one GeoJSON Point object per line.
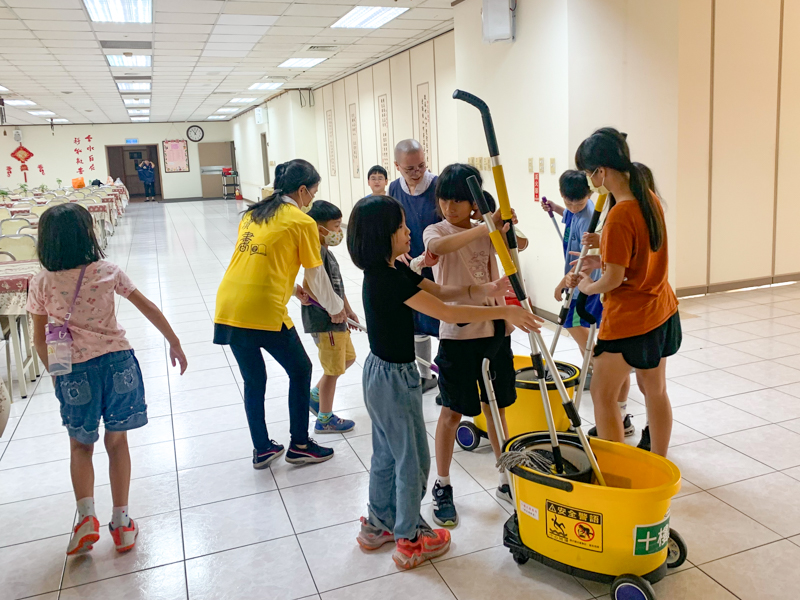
{"type": "Point", "coordinates": [333, 238]}
{"type": "Point", "coordinates": [601, 189]}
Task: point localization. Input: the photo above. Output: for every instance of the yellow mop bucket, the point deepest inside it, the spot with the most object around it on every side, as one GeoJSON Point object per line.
{"type": "Point", "coordinates": [527, 413]}
{"type": "Point", "coordinates": [591, 531]}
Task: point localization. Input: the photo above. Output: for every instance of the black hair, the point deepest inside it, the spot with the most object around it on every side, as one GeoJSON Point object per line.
{"type": "Point", "coordinates": [452, 185]}
{"type": "Point", "coordinates": [648, 177]}
{"type": "Point", "coordinates": [323, 211]}
{"type": "Point", "coordinates": [373, 222]}
{"type": "Point", "coordinates": [573, 185]}
{"type": "Point", "coordinates": [66, 238]}
{"type": "Point", "coordinates": [608, 148]}
{"type": "Point", "coordinates": [379, 170]}
{"type": "Point", "coordinates": [289, 177]}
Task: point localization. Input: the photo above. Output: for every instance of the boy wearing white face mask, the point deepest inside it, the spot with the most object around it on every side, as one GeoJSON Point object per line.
{"type": "Point", "coordinates": [336, 352]}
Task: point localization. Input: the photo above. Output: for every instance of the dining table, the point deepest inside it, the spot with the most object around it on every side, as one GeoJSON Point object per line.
{"type": "Point", "coordinates": [15, 278]}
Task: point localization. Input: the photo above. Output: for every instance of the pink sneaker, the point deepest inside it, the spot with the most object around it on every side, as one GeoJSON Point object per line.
{"type": "Point", "coordinates": [86, 533]}
{"type": "Point", "coordinates": [429, 544]}
{"type": "Point", "coordinates": [371, 537]}
{"type": "Point", "coordinates": [124, 537]}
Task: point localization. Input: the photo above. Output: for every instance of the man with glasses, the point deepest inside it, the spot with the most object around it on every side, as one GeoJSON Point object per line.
{"type": "Point", "coordinates": [415, 189]}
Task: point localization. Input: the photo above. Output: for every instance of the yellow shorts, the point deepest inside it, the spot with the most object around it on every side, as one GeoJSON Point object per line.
{"type": "Point", "coordinates": [335, 351]}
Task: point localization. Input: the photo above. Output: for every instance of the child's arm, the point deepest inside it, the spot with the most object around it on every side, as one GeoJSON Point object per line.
{"type": "Point", "coordinates": [468, 293]}
{"type": "Point", "coordinates": [548, 205]}
{"type": "Point", "coordinates": [157, 318]}
{"type": "Point", "coordinates": [455, 241]}
{"type": "Point", "coordinates": [433, 307]}
{"type": "Point", "coordinates": [559, 293]}
{"type": "Point", "coordinates": [39, 339]}
{"type": "Point", "coordinates": [612, 278]}
{"type": "Point", "coordinates": [351, 314]}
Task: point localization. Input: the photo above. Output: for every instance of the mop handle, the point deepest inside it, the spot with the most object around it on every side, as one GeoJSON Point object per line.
{"type": "Point", "coordinates": [550, 212]}
{"type": "Point", "coordinates": [360, 327]}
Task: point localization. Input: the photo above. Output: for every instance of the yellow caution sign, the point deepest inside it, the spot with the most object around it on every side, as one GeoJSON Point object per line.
{"type": "Point", "coordinates": [574, 526]}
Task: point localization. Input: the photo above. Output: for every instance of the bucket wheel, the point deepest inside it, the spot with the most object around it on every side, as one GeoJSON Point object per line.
{"type": "Point", "coordinates": [676, 550]}
{"type": "Point", "coordinates": [632, 587]}
{"type": "Point", "coordinates": [519, 558]}
{"type": "Point", "coordinates": [468, 435]}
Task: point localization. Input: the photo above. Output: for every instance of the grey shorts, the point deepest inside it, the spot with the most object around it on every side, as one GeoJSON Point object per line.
{"type": "Point", "coordinates": [109, 386]}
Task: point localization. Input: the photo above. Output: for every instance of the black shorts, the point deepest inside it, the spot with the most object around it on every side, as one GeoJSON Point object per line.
{"type": "Point", "coordinates": [646, 351]}
{"type": "Point", "coordinates": [460, 374]}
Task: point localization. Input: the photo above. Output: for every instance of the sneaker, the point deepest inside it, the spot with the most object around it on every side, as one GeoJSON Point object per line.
{"type": "Point", "coordinates": [312, 453]}
{"type": "Point", "coordinates": [124, 537]}
{"type": "Point", "coordinates": [644, 443]}
{"type": "Point", "coordinates": [444, 510]}
{"type": "Point", "coordinates": [504, 493]}
{"type": "Point", "coordinates": [429, 544]}
{"type": "Point", "coordinates": [627, 424]}
{"type": "Point", "coordinates": [313, 403]}
{"type": "Point", "coordinates": [261, 460]}
{"type": "Point", "coordinates": [429, 384]}
{"type": "Point", "coordinates": [86, 533]}
{"type": "Point", "coordinates": [371, 537]}
{"type": "Point", "coordinates": [439, 399]}
{"type": "Point", "coordinates": [334, 425]}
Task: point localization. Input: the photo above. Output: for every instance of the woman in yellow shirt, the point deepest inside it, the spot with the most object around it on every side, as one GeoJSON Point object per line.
{"type": "Point", "coordinates": [275, 239]}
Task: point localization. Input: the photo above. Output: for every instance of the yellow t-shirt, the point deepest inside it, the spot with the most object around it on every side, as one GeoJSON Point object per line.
{"type": "Point", "coordinates": [260, 278]}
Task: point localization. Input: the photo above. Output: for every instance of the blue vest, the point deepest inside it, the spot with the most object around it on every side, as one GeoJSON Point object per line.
{"type": "Point", "coordinates": [420, 213]}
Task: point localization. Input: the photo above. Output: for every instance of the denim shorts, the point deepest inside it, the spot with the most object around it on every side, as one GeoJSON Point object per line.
{"type": "Point", "coordinates": [109, 386]}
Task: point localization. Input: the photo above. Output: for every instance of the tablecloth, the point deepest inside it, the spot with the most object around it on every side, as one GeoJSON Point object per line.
{"type": "Point", "coordinates": [14, 280]}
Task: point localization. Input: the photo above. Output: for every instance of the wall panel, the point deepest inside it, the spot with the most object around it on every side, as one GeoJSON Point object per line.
{"type": "Point", "coordinates": [402, 122]}
{"type": "Point", "coordinates": [446, 124]}
{"type": "Point", "coordinates": [382, 85]}
{"type": "Point", "coordinates": [423, 101]}
{"type": "Point", "coordinates": [369, 136]}
{"type": "Point", "coordinates": [744, 139]}
{"type": "Point", "coordinates": [331, 168]}
{"type": "Point", "coordinates": [322, 148]}
{"type": "Point", "coordinates": [355, 165]}
{"type": "Point", "coordinates": [342, 145]}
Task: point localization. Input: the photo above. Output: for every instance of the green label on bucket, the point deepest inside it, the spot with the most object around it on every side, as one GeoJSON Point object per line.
{"type": "Point", "coordinates": [650, 539]}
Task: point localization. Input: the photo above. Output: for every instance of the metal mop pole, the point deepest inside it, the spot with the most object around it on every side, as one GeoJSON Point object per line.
{"type": "Point", "coordinates": [553, 218]}
{"type": "Point", "coordinates": [498, 426]}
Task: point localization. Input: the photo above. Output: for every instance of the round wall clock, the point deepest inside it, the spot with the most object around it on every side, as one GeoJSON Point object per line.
{"type": "Point", "coordinates": [195, 133]}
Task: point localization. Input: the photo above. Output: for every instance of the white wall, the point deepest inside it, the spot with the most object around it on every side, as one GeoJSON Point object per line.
{"type": "Point", "coordinates": [55, 152]}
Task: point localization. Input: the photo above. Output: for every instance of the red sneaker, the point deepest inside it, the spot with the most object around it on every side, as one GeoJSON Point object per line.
{"type": "Point", "coordinates": [124, 537]}
{"type": "Point", "coordinates": [86, 533]}
{"type": "Point", "coordinates": [429, 544]}
{"type": "Point", "coordinates": [371, 537]}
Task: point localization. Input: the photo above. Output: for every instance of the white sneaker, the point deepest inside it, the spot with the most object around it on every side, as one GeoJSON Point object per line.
{"type": "Point", "coordinates": [86, 533]}
{"type": "Point", "coordinates": [124, 537]}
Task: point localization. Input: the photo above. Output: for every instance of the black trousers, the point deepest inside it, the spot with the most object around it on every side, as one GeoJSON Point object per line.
{"type": "Point", "coordinates": [286, 348]}
{"type": "Point", "coordinates": [150, 189]}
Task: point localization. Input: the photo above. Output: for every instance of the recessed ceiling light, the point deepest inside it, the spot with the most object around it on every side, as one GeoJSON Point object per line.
{"type": "Point", "coordinates": [267, 86]}
{"type": "Point", "coordinates": [120, 11]}
{"type": "Point", "coordinates": [369, 17]}
{"type": "Point", "coordinates": [137, 101]}
{"type": "Point", "coordinates": [227, 110]}
{"type": "Point", "coordinates": [140, 118]}
{"type": "Point", "coordinates": [20, 103]}
{"type": "Point", "coordinates": [137, 60]}
{"type": "Point", "coordinates": [138, 111]}
{"type": "Point", "coordinates": [242, 101]}
{"type": "Point", "coordinates": [133, 87]}
{"type": "Point", "coordinates": [59, 120]}
{"type": "Point", "coordinates": [217, 117]}
{"type": "Point", "coordinates": [41, 113]}
{"type": "Point", "coordinates": [301, 63]}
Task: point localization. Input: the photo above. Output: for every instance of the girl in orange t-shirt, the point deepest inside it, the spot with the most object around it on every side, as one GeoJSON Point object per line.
{"type": "Point", "coordinates": [641, 326]}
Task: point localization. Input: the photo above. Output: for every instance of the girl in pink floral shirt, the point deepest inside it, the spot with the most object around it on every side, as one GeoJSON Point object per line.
{"type": "Point", "coordinates": [106, 380]}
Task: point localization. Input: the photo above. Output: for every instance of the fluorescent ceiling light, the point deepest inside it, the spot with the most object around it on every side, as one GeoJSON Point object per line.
{"type": "Point", "coordinates": [3, 89]}
{"type": "Point", "coordinates": [237, 101]}
{"type": "Point", "coordinates": [137, 101]}
{"type": "Point", "coordinates": [20, 103]}
{"type": "Point", "coordinates": [120, 11]}
{"type": "Point", "coordinates": [59, 121]}
{"type": "Point", "coordinates": [217, 117]}
{"type": "Point", "coordinates": [227, 110]}
{"type": "Point", "coordinates": [138, 111]}
{"type": "Point", "coordinates": [369, 17]}
{"type": "Point", "coordinates": [140, 118]}
{"type": "Point", "coordinates": [133, 87]}
{"type": "Point", "coordinates": [301, 63]}
{"type": "Point", "coordinates": [137, 60]}
{"type": "Point", "coordinates": [42, 113]}
{"type": "Point", "coordinates": [268, 86]}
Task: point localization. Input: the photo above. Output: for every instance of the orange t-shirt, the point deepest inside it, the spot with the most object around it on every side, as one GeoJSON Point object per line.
{"type": "Point", "coordinates": [645, 300]}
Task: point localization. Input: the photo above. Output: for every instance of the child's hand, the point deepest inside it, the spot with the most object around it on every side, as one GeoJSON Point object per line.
{"type": "Point", "coordinates": [176, 355]}
{"type": "Point", "coordinates": [590, 262]}
{"type": "Point", "coordinates": [546, 205]}
{"type": "Point", "coordinates": [405, 258]}
{"type": "Point", "coordinates": [498, 289]}
{"type": "Point", "coordinates": [573, 279]}
{"type": "Point", "coordinates": [353, 317]}
{"type": "Point", "coordinates": [591, 239]}
{"type": "Point", "coordinates": [302, 295]}
{"type": "Point", "coordinates": [429, 259]}
{"type": "Point", "coordinates": [559, 293]}
{"type": "Point", "coordinates": [339, 317]}
{"type": "Point", "coordinates": [521, 318]}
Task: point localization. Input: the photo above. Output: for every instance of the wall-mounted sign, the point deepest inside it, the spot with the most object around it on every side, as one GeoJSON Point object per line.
{"type": "Point", "coordinates": [132, 141]}
{"type": "Point", "coordinates": [354, 140]}
{"type": "Point", "coordinates": [424, 119]}
{"type": "Point", "coordinates": [383, 114]}
{"type": "Point", "coordinates": [259, 115]}
{"type": "Point", "coordinates": [176, 156]}
{"type": "Point", "coordinates": [331, 143]}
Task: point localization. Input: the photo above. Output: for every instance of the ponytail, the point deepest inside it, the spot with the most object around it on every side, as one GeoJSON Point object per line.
{"type": "Point", "coordinates": [289, 177]}
{"type": "Point", "coordinates": [608, 148]}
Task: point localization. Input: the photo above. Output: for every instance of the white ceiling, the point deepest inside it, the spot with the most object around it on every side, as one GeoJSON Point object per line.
{"type": "Point", "coordinates": [205, 52]}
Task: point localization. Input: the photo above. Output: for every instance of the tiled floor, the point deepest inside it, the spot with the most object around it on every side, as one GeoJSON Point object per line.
{"type": "Point", "coordinates": [212, 527]}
